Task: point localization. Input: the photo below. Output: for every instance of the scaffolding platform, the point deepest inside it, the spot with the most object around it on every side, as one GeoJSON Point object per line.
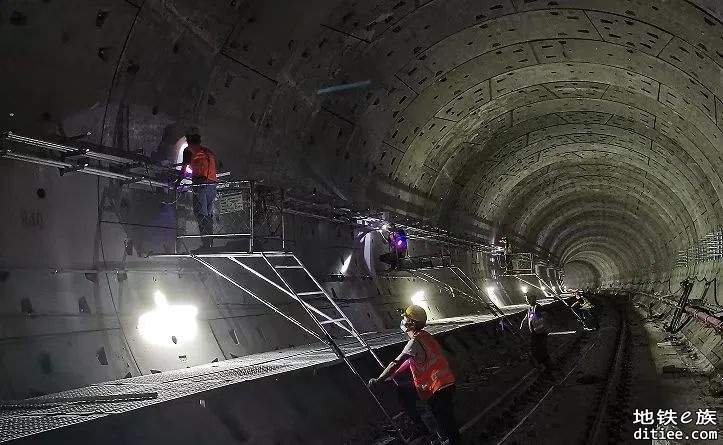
{"type": "Point", "coordinates": [42, 414]}
{"type": "Point", "coordinates": [129, 168]}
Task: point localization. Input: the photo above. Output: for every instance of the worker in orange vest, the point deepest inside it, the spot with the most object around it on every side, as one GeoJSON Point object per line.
{"type": "Point", "coordinates": [202, 163]}
{"type": "Point", "coordinates": [433, 378]}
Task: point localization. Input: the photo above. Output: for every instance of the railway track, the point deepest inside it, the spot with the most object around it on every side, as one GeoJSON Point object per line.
{"type": "Point", "coordinates": [583, 402]}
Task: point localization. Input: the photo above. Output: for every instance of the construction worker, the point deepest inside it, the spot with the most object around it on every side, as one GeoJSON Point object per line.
{"type": "Point", "coordinates": [538, 325]}
{"type": "Point", "coordinates": [397, 244]}
{"type": "Point", "coordinates": [507, 255]}
{"type": "Point", "coordinates": [202, 162]}
{"type": "Point", "coordinates": [583, 308]}
{"type": "Point", "coordinates": [432, 376]}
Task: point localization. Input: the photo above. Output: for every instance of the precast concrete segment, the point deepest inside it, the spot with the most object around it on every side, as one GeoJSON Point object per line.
{"type": "Point", "coordinates": [602, 262]}
{"type": "Point", "coordinates": [584, 195]}
{"type": "Point", "coordinates": [607, 19]}
{"type": "Point", "coordinates": [580, 271]}
{"type": "Point", "coordinates": [573, 204]}
{"type": "Point", "coordinates": [616, 220]}
{"type": "Point", "coordinates": [601, 189]}
{"type": "Point", "coordinates": [610, 234]}
{"type": "Point", "coordinates": [471, 112]}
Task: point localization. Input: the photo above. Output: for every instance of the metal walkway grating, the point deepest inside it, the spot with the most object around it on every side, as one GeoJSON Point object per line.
{"type": "Point", "coordinates": [17, 422]}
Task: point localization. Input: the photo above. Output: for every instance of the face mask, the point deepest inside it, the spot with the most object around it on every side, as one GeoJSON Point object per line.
{"type": "Point", "coordinates": [403, 326]}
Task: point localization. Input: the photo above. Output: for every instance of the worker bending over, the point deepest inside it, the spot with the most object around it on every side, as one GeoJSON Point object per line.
{"type": "Point", "coordinates": [397, 243]}
{"type": "Point", "coordinates": [432, 376]}
{"type": "Point", "coordinates": [202, 162]}
{"type": "Point", "coordinates": [538, 325]}
{"type": "Point", "coordinates": [583, 308]}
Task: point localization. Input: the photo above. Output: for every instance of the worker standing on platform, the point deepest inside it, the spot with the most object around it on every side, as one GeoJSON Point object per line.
{"type": "Point", "coordinates": [538, 326]}
{"type": "Point", "coordinates": [397, 243]}
{"type": "Point", "coordinates": [507, 255]}
{"type": "Point", "coordinates": [432, 375]}
{"type": "Point", "coordinates": [202, 162]}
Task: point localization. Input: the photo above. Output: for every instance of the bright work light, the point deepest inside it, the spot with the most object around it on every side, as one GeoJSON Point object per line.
{"type": "Point", "coordinates": [168, 323]}
{"type": "Point", "coordinates": [418, 297]}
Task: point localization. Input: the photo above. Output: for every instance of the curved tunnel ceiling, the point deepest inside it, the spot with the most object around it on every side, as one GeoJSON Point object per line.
{"type": "Point", "coordinates": [591, 128]}
{"type": "Point", "coordinates": [588, 127]}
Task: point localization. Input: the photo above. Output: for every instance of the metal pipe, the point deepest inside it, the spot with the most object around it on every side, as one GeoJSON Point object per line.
{"type": "Point", "coordinates": [251, 216]}
{"type": "Point", "coordinates": [219, 255]}
{"type": "Point", "coordinates": [557, 297]}
{"type": "Point", "coordinates": [217, 235]}
{"type": "Point", "coordinates": [87, 170]}
{"type": "Point", "coordinates": [283, 224]}
{"type": "Point", "coordinates": [475, 289]}
{"type": "Point", "coordinates": [706, 318]}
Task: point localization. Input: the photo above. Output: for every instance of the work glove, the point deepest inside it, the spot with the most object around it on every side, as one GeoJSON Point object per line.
{"type": "Point", "coordinates": [372, 382]}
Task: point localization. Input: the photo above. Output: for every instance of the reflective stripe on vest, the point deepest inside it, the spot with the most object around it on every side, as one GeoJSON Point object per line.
{"type": "Point", "coordinates": [434, 372]}
{"type": "Point", "coordinates": [203, 163]}
{"type": "Point", "coordinates": [531, 313]}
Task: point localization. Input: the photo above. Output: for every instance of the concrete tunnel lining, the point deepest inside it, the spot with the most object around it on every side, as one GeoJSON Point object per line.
{"type": "Point", "coordinates": [587, 130]}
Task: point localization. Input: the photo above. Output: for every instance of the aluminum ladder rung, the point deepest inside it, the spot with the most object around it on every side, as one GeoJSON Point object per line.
{"type": "Point", "coordinates": [316, 292]}
{"type": "Point", "coordinates": [336, 320]}
{"type": "Point", "coordinates": [288, 267]}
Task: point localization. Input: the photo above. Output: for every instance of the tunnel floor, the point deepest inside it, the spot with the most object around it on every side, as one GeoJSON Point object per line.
{"type": "Point", "coordinates": [602, 377]}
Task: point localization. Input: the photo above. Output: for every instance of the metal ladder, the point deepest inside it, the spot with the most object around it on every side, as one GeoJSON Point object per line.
{"type": "Point", "coordinates": [321, 319]}
{"type": "Point", "coordinates": [282, 264]}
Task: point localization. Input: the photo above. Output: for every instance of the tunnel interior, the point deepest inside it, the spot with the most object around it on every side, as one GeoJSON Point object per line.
{"type": "Point", "coordinates": [587, 132]}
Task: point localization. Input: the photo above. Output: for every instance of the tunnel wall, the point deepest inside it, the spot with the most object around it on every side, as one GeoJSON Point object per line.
{"type": "Point", "coordinates": [133, 76]}
{"type": "Point", "coordinates": [587, 129]}
{"type": "Point", "coordinates": [70, 318]}
{"type": "Point", "coordinates": [705, 293]}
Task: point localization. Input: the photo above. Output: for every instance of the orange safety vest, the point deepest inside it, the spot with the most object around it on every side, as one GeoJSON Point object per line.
{"type": "Point", "coordinates": [203, 163]}
{"type": "Point", "coordinates": [434, 372]}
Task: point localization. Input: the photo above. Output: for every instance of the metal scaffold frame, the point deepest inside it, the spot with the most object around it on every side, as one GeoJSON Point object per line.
{"type": "Point", "coordinates": [243, 204]}
{"type": "Point", "coordinates": [507, 263]}
{"type": "Point", "coordinates": [555, 294]}
{"type": "Point", "coordinates": [473, 294]}
{"type": "Point", "coordinates": [67, 159]}
{"type": "Point", "coordinates": [320, 319]}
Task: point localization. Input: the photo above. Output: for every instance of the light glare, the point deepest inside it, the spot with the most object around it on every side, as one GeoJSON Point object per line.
{"type": "Point", "coordinates": [166, 321]}
{"type": "Point", "coordinates": [418, 297]}
{"type": "Point", "coordinates": [345, 265]}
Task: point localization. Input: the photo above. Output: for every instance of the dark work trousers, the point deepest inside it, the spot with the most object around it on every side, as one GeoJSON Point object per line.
{"type": "Point", "coordinates": [586, 316]}
{"type": "Point", "coordinates": [538, 348]}
{"type": "Point", "coordinates": [203, 197]}
{"type": "Point", "coordinates": [442, 406]}
{"type": "Point", "coordinates": [393, 258]}
{"type": "Point", "coordinates": [408, 399]}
